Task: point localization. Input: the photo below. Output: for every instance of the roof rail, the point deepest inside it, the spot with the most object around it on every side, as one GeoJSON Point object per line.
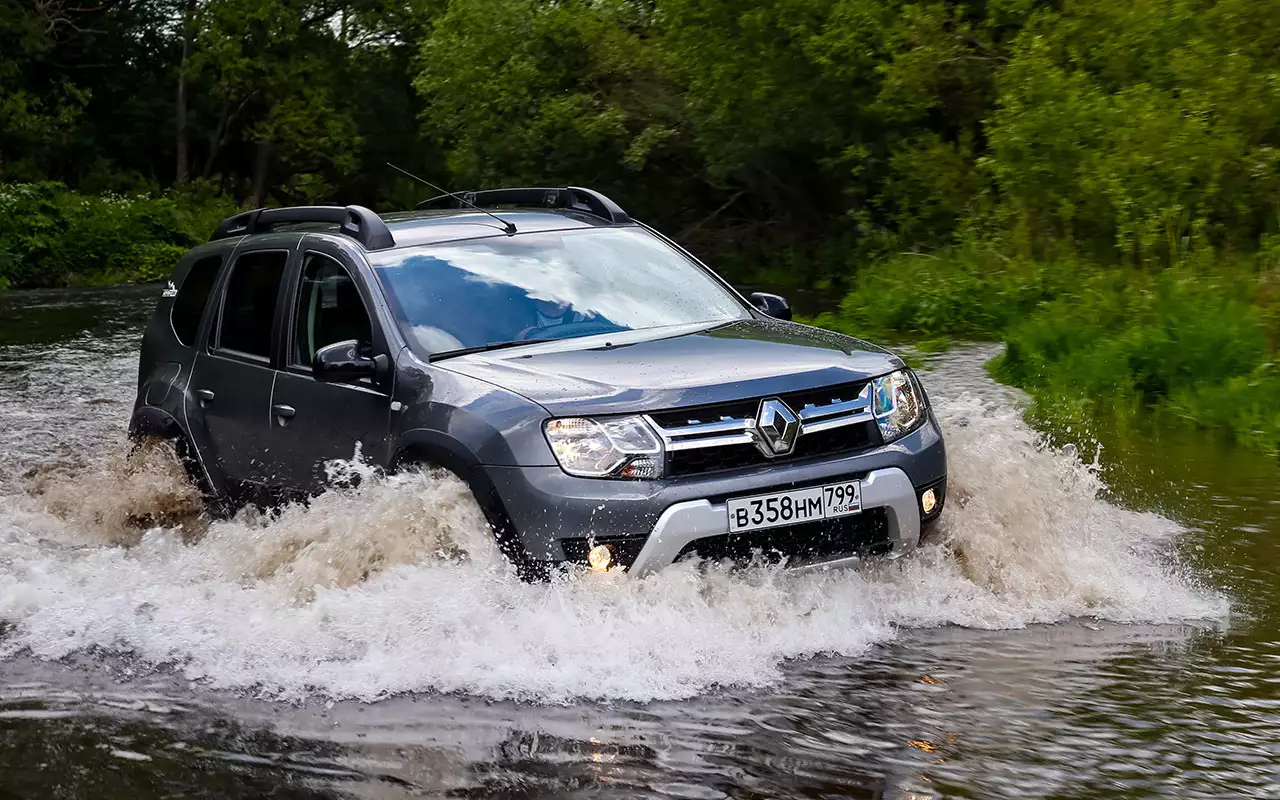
{"type": "Point", "coordinates": [358, 222]}
{"type": "Point", "coordinates": [574, 198]}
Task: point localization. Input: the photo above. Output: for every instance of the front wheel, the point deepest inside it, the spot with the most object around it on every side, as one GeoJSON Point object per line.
{"type": "Point", "coordinates": [485, 507]}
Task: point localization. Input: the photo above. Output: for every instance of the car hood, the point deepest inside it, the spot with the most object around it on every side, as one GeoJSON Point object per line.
{"type": "Point", "coordinates": [651, 370]}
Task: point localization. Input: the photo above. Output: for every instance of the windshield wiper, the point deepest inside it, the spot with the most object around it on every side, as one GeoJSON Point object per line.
{"type": "Point", "coordinates": [484, 348]}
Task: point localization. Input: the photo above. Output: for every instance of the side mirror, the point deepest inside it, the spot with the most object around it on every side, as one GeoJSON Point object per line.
{"type": "Point", "coordinates": [774, 305]}
{"type": "Point", "coordinates": [341, 362]}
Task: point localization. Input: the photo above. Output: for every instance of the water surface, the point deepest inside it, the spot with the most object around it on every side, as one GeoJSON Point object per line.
{"type": "Point", "coordinates": [1073, 630]}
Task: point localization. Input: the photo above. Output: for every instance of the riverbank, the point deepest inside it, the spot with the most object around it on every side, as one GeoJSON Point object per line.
{"type": "Point", "coordinates": [53, 237]}
{"type": "Point", "coordinates": [1198, 340]}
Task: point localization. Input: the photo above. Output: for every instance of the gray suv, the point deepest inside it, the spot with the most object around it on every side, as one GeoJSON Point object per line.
{"type": "Point", "coordinates": [609, 400]}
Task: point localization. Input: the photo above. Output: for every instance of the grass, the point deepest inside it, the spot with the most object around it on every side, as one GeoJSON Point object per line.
{"type": "Point", "coordinates": [1198, 340]}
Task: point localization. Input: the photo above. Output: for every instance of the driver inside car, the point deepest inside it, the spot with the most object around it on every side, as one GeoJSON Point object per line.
{"type": "Point", "coordinates": [549, 314]}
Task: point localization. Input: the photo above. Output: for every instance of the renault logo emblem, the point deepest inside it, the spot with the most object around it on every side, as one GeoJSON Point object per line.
{"type": "Point", "coordinates": [776, 428]}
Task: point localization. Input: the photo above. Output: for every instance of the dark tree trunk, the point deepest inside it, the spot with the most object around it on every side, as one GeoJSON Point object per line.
{"type": "Point", "coordinates": [183, 167]}
{"type": "Point", "coordinates": [216, 140]}
{"type": "Point", "coordinates": [261, 166]}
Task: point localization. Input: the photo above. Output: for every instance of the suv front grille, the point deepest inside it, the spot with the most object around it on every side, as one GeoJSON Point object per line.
{"type": "Point", "coordinates": [834, 421]}
{"type": "Point", "coordinates": [864, 534]}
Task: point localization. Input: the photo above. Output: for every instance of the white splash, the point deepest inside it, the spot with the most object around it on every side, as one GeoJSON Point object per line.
{"type": "Point", "coordinates": [395, 585]}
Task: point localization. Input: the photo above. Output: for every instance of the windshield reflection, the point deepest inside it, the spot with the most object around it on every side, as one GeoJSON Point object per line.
{"type": "Point", "coordinates": [556, 285]}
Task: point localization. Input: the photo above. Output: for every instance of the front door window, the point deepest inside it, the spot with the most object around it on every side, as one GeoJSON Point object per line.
{"type": "Point", "coordinates": [329, 310]}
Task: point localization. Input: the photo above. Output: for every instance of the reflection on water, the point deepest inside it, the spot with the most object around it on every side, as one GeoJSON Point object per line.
{"type": "Point", "coordinates": [933, 677]}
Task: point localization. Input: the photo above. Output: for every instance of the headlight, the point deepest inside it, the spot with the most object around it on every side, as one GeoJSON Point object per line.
{"type": "Point", "coordinates": [897, 404]}
{"type": "Point", "coordinates": [620, 447]}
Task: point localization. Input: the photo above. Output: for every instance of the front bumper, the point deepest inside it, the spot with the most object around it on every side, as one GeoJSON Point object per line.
{"type": "Point", "coordinates": [549, 509]}
{"type": "Point", "coordinates": [687, 522]}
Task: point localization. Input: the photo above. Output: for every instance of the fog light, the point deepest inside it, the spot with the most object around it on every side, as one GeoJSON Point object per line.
{"type": "Point", "coordinates": [600, 557]}
{"type": "Point", "coordinates": [928, 501]}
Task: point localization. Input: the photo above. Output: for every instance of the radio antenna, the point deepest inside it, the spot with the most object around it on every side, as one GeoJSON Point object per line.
{"type": "Point", "coordinates": [509, 227]}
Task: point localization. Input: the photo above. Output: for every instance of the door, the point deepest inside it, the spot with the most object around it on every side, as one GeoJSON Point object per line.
{"type": "Point", "coordinates": [314, 422]}
{"type": "Point", "coordinates": [232, 377]}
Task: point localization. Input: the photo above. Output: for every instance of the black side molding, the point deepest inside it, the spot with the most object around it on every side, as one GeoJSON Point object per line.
{"type": "Point", "coordinates": [574, 198]}
{"type": "Point", "coordinates": [358, 222]}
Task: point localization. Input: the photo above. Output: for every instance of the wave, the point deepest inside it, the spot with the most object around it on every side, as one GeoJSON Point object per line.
{"type": "Point", "coordinates": [394, 584]}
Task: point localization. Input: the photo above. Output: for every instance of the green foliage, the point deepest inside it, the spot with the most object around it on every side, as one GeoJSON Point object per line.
{"type": "Point", "coordinates": [972, 292]}
{"type": "Point", "coordinates": [762, 134]}
{"type": "Point", "coordinates": [758, 133]}
{"type": "Point", "coordinates": [1137, 132]}
{"type": "Point", "coordinates": [1199, 339]}
{"type": "Point", "coordinates": [793, 140]}
{"type": "Point", "coordinates": [275, 101]}
{"type": "Point", "coordinates": [1152, 337]}
{"type": "Point", "coordinates": [529, 92]}
{"type": "Point", "coordinates": [1194, 342]}
{"type": "Point", "coordinates": [53, 237]}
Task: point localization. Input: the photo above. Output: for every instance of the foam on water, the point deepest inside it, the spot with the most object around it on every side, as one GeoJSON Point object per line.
{"type": "Point", "coordinates": [395, 585]}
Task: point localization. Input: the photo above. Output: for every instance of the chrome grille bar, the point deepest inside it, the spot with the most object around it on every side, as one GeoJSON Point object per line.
{"type": "Point", "coordinates": [727, 425]}
{"type": "Point", "coordinates": [859, 404]}
{"type": "Point", "coordinates": [713, 441]}
{"type": "Point", "coordinates": [814, 418]}
{"type": "Point", "coordinates": [834, 422]}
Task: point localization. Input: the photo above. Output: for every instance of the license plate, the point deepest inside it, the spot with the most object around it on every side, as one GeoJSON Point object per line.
{"type": "Point", "coordinates": [796, 506]}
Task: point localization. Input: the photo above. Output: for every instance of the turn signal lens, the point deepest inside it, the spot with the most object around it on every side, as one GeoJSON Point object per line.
{"type": "Point", "coordinates": [639, 468]}
{"type": "Point", "coordinates": [600, 557]}
{"type": "Point", "coordinates": [928, 501]}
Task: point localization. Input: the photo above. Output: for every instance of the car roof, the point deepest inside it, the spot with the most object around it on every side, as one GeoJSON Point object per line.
{"type": "Point", "coordinates": [445, 218]}
{"type": "Point", "coordinates": [416, 228]}
{"type": "Point", "coordinates": [425, 227]}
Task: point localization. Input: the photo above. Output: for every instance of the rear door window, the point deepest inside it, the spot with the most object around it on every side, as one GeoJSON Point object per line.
{"type": "Point", "coordinates": [249, 307]}
{"type": "Point", "coordinates": [192, 297]}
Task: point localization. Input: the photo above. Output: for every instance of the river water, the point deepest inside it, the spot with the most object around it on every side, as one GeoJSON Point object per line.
{"type": "Point", "coordinates": [1088, 622]}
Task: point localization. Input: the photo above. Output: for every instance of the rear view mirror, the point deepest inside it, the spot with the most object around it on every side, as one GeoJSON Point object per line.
{"type": "Point", "coordinates": [774, 305]}
{"type": "Point", "coordinates": [341, 362]}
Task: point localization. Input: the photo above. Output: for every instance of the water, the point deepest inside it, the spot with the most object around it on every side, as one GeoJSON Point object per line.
{"type": "Point", "coordinates": [1096, 625]}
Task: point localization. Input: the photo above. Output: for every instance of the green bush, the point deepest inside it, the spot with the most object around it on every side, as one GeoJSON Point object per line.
{"type": "Point", "coordinates": [971, 292]}
{"type": "Point", "coordinates": [1196, 343]}
{"type": "Point", "coordinates": [50, 236]}
{"type": "Point", "coordinates": [1199, 339]}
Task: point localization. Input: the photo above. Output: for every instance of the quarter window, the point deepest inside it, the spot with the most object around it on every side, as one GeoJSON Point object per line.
{"type": "Point", "coordinates": [250, 304]}
{"type": "Point", "coordinates": [329, 310]}
{"type": "Point", "coordinates": [188, 305]}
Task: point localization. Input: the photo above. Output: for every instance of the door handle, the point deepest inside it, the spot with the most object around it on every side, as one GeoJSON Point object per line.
{"type": "Point", "coordinates": [206, 395]}
{"type": "Point", "coordinates": [285, 412]}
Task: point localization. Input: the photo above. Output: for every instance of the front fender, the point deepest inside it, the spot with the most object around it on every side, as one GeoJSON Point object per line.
{"type": "Point", "coordinates": [426, 447]}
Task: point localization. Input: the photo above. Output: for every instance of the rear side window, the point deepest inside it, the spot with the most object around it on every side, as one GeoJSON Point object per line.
{"type": "Point", "coordinates": [188, 305]}
{"type": "Point", "coordinates": [250, 305]}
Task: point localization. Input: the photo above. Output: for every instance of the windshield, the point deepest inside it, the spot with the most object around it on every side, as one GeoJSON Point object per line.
{"type": "Point", "coordinates": [557, 285]}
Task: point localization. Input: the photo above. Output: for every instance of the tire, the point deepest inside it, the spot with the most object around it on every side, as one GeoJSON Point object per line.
{"type": "Point", "coordinates": [216, 505]}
